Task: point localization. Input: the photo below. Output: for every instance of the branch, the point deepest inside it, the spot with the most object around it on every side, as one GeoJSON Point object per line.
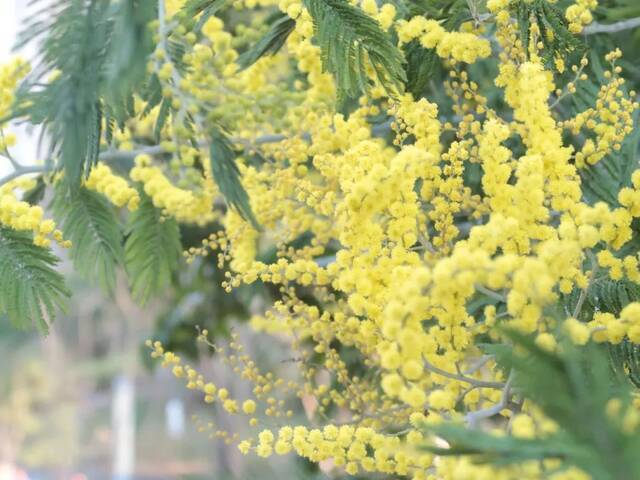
{"type": "Point", "coordinates": [112, 156]}
{"type": "Point", "coordinates": [484, 359]}
{"type": "Point", "coordinates": [612, 27]}
{"type": "Point", "coordinates": [473, 418]}
{"type": "Point", "coordinates": [22, 171]}
{"type": "Point", "coordinates": [376, 415]}
{"type": "Point", "coordinates": [462, 378]}
{"type": "Point", "coordinates": [491, 293]}
{"type": "Point", "coordinates": [7, 153]}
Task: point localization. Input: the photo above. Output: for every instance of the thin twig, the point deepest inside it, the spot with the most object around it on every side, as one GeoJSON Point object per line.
{"type": "Point", "coordinates": [376, 415]}
{"type": "Point", "coordinates": [473, 418]}
{"type": "Point", "coordinates": [462, 378]}
{"type": "Point", "coordinates": [22, 171]}
{"type": "Point", "coordinates": [585, 291]}
{"type": "Point", "coordinates": [111, 156]}
{"type": "Point", "coordinates": [491, 293]}
{"type": "Point", "coordinates": [621, 26]}
{"type": "Point", "coordinates": [565, 91]}
{"type": "Point", "coordinates": [153, 150]}
{"type": "Point", "coordinates": [7, 153]}
{"type": "Point", "coordinates": [478, 364]}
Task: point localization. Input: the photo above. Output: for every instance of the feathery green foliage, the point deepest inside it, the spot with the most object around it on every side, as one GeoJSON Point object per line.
{"type": "Point", "coordinates": [90, 222]}
{"type": "Point", "coordinates": [572, 389]}
{"type": "Point", "coordinates": [130, 44]}
{"type": "Point", "coordinates": [205, 8]}
{"type": "Point", "coordinates": [281, 27]}
{"type": "Point", "coordinates": [31, 291]}
{"type": "Point", "coordinates": [350, 41]}
{"type": "Point", "coordinates": [558, 41]}
{"type": "Point", "coordinates": [89, 44]}
{"type": "Point", "coordinates": [161, 119]}
{"type": "Point", "coordinates": [421, 63]}
{"type": "Point", "coordinates": [69, 106]}
{"type": "Point", "coordinates": [450, 12]}
{"type": "Point", "coordinates": [487, 448]}
{"type": "Point", "coordinates": [624, 359]}
{"type": "Point", "coordinates": [227, 175]}
{"type": "Point", "coordinates": [610, 296]}
{"type": "Point", "coordinates": [196, 7]}
{"type": "Point", "coordinates": [602, 181]}
{"type": "Point", "coordinates": [152, 250]}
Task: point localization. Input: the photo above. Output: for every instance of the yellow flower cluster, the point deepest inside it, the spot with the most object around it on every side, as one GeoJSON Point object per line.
{"type": "Point", "coordinates": [195, 381]}
{"type": "Point", "coordinates": [458, 46]}
{"type": "Point", "coordinates": [266, 386]}
{"type": "Point", "coordinates": [115, 188]}
{"type": "Point", "coordinates": [385, 14]}
{"type": "Point", "coordinates": [414, 237]}
{"type": "Point", "coordinates": [605, 327]}
{"type": "Point", "coordinates": [20, 215]}
{"type": "Point", "coordinates": [630, 197]}
{"type": "Point", "coordinates": [611, 120]}
{"type": "Point", "coordinates": [10, 74]}
{"type": "Point", "coordinates": [357, 449]}
{"type": "Point", "coordinates": [184, 205]}
{"type": "Point", "coordinates": [579, 14]}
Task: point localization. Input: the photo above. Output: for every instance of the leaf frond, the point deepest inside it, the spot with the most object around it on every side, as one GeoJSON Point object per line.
{"type": "Point", "coordinates": [31, 291]}
{"type": "Point", "coordinates": [351, 40]}
{"type": "Point", "coordinates": [271, 43]}
{"type": "Point", "coordinates": [91, 224]}
{"type": "Point", "coordinates": [152, 250]}
{"type": "Point", "coordinates": [227, 175]}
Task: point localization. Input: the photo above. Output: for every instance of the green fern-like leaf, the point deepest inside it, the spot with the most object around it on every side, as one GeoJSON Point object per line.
{"type": "Point", "coordinates": [624, 359]}
{"type": "Point", "coordinates": [227, 175]}
{"type": "Point", "coordinates": [612, 296]}
{"type": "Point", "coordinates": [421, 63]}
{"type": "Point", "coordinates": [195, 7]}
{"type": "Point", "coordinates": [99, 48]}
{"type": "Point", "coordinates": [558, 41]}
{"type": "Point", "coordinates": [75, 35]}
{"type": "Point", "coordinates": [271, 43]}
{"type": "Point", "coordinates": [130, 44]}
{"type": "Point", "coordinates": [603, 181]}
{"type": "Point", "coordinates": [350, 41]}
{"type": "Point", "coordinates": [161, 120]}
{"type": "Point", "coordinates": [451, 13]}
{"type": "Point", "coordinates": [488, 448]}
{"type": "Point", "coordinates": [573, 389]}
{"type": "Point", "coordinates": [93, 227]}
{"type": "Point", "coordinates": [31, 291]}
{"type": "Point", "coordinates": [205, 8]}
{"type": "Point", "coordinates": [152, 250]}
{"type": "Point", "coordinates": [152, 94]}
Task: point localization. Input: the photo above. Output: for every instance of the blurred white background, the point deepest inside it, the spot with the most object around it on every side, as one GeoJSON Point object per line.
{"type": "Point", "coordinates": [8, 14]}
{"type": "Point", "coordinates": [11, 14]}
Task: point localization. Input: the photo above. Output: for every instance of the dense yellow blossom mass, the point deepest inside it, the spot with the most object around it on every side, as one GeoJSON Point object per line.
{"type": "Point", "coordinates": [393, 273]}
{"type": "Point", "coordinates": [403, 276]}
{"type": "Point", "coordinates": [20, 215]}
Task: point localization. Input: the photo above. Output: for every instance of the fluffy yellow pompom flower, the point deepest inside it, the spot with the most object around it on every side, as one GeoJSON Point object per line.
{"type": "Point", "coordinates": [115, 188]}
